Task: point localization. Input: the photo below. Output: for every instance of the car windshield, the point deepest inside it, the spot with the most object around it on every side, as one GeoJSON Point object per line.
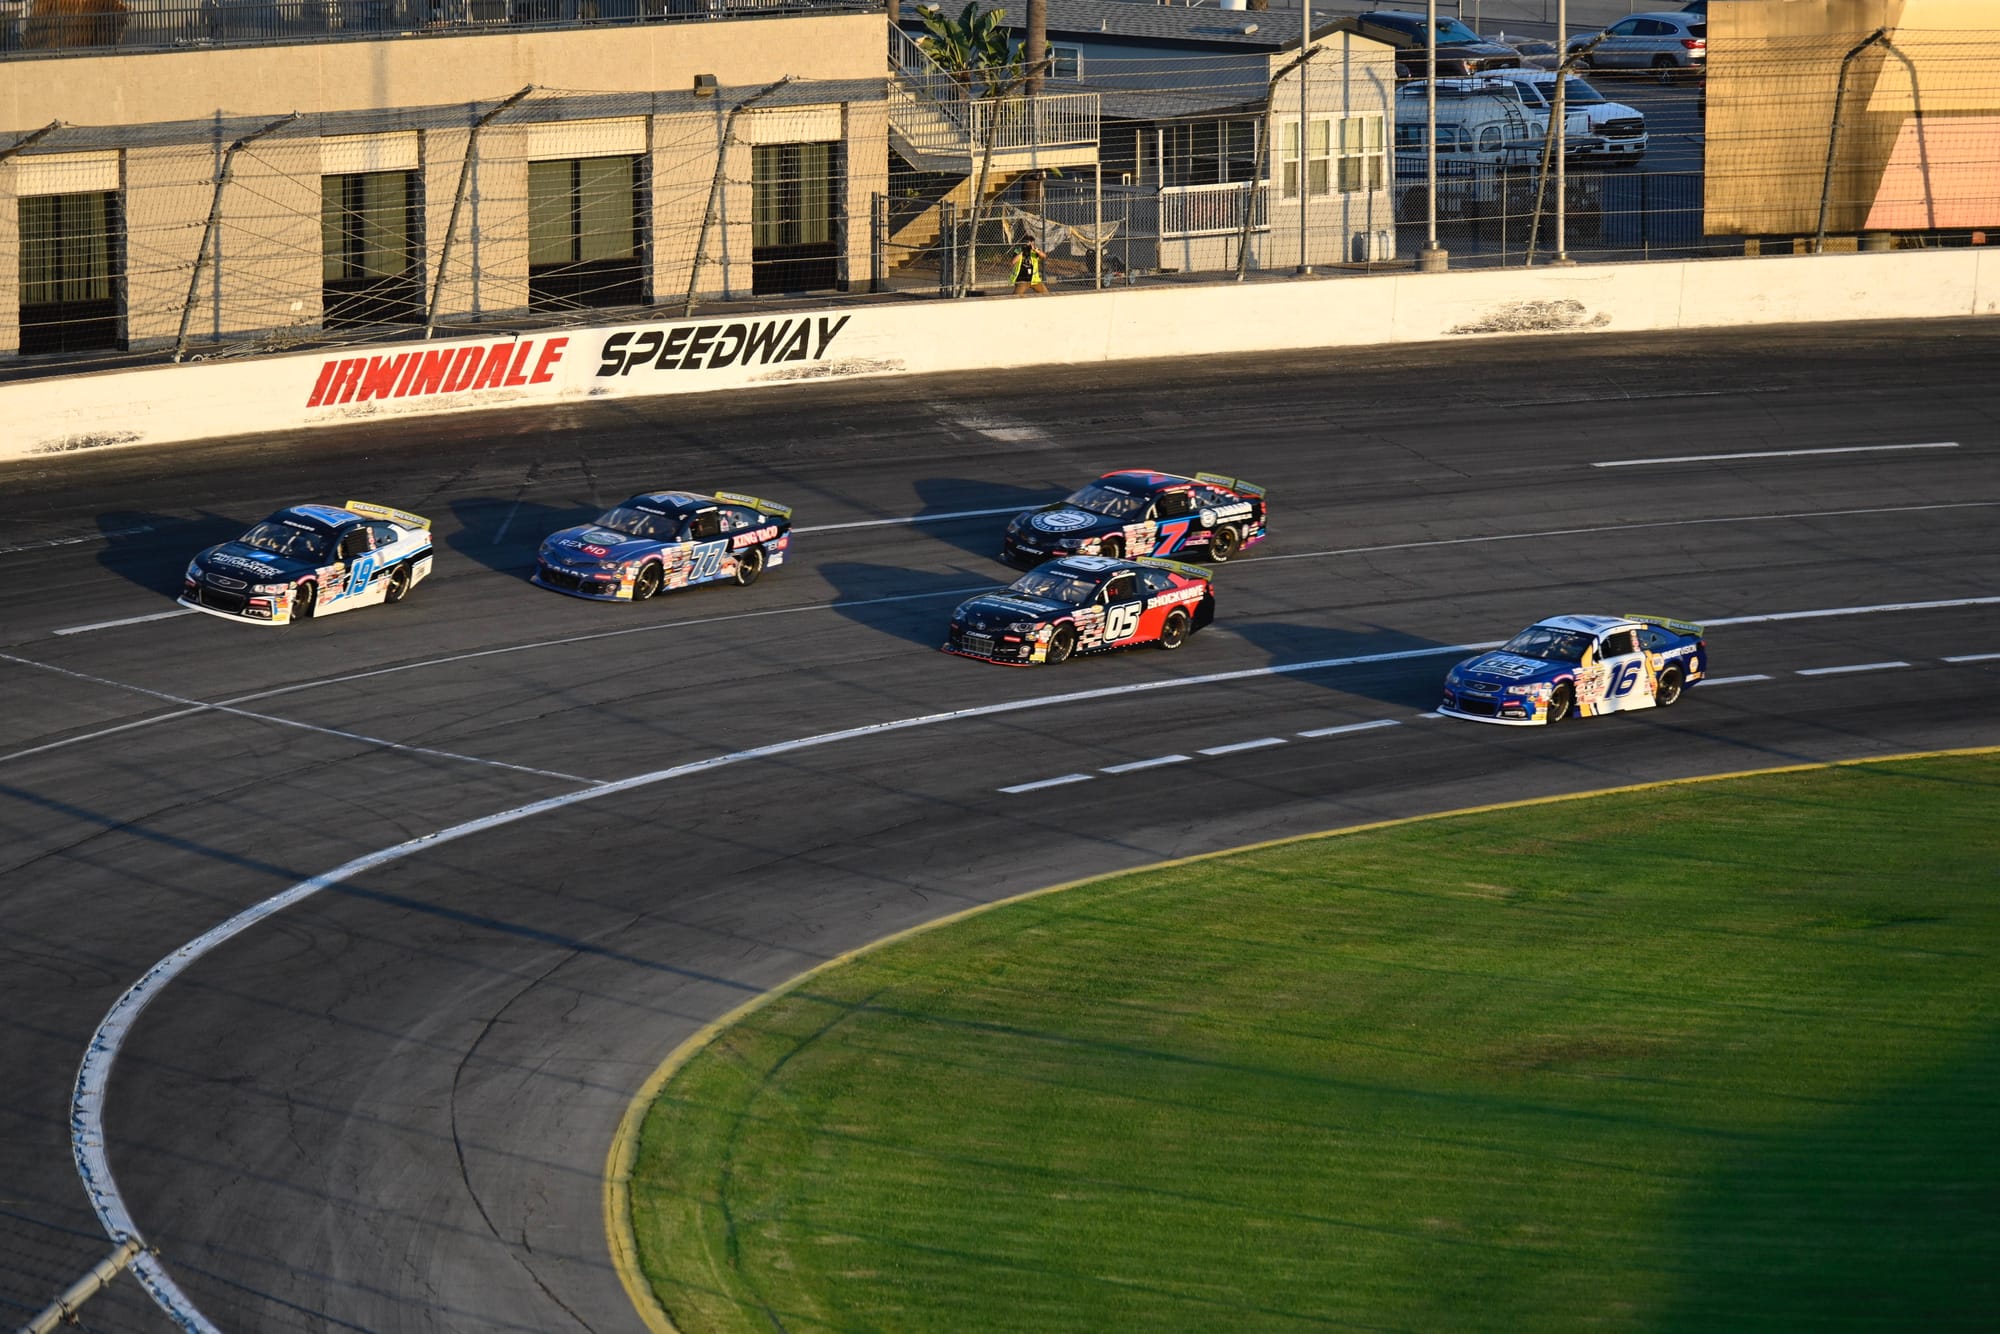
{"type": "Point", "coordinates": [291, 540]}
{"type": "Point", "coordinates": [1451, 30]}
{"type": "Point", "coordinates": [1072, 590]}
{"type": "Point", "coordinates": [635, 522]}
{"type": "Point", "coordinates": [1535, 48]}
{"type": "Point", "coordinates": [1578, 93]}
{"type": "Point", "coordinates": [1111, 504]}
{"type": "Point", "coordinates": [1549, 644]}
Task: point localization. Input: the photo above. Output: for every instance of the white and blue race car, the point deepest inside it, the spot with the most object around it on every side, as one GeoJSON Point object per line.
{"type": "Point", "coordinates": [664, 540]}
{"type": "Point", "coordinates": [311, 560]}
{"type": "Point", "coordinates": [1586, 665]}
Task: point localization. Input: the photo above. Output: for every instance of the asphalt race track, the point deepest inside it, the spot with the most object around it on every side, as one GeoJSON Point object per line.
{"type": "Point", "coordinates": [388, 1106]}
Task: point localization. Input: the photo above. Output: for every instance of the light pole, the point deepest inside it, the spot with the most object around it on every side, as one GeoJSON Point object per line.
{"type": "Point", "coordinates": [1305, 151]}
{"type": "Point", "coordinates": [1432, 258]}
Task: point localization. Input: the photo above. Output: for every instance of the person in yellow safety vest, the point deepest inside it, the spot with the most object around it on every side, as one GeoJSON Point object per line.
{"type": "Point", "coordinates": [1028, 269]}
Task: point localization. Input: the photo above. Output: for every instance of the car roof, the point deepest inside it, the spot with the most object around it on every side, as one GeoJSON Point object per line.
{"type": "Point", "coordinates": [1089, 564]}
{"type": "Point", "coordinates": [1146, 479]}
{"type": "Point", "coordinates": [677, 503]}
{"type": "Point", "coordinates": [1590, 625]}
{"type": "Point", "coordinates": [325, 516]}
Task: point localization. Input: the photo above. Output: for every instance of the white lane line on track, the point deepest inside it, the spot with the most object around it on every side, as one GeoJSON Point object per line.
{"type": "Point", "coordinates": [1824, 613]}
{"type": "Point", "coordinates": [1135, 766]}
{"type": "Point", "coordinates": [1260, 743]}
{"type": "Point", "coordinates": [1708, 682]}
{"type": "Point", "coordinates": [1774, 454]}
{"type": "Point", "coordinates": [46, 543]}
{"type": "Point", "coordinates": [1048, 782]}
{"type": "Point", "coordinates": [129, 620]}
{"type": "Point", "coordinates": [94, 1074]}
{"type": "Point", "coordinates": [1355, 727]}
{"type": "Point", "coordinates": [1975, 657]}
{"type": "Point", "coordinates": [911, 519]}
{"type": "Point", "coordinates": [1850, 667]}
{"type": "Point", "coordinates": [196, 706]}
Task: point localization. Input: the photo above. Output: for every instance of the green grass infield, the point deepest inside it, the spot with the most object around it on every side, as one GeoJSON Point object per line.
{"type": "Point", "coordinates": [1717, 1055]}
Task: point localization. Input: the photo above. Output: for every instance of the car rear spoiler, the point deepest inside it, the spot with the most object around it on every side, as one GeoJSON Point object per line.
{"type": "Point", "coordinates": [1233, 483]}
{"type": "Point", "coordinates": [404, 517]}
{"type": "Point", "coordinates": [1178, 567]}
{"type": "Point", "coordinates": [1665, 623]}
{"type": "Point", "coordinates": [768, 506]}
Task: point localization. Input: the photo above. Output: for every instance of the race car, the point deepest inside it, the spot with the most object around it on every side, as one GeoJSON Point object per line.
{"type": "Point", "coordinates": [312, 560]}
{"type": "Point", "coordinates": [1083, 604]}
{"type": "Point", "coordinates": [666, 540]}
{"type": "Point", "coordinates": [1140, 513]}
{"type": "Point", "coordinates": [1586, 665]}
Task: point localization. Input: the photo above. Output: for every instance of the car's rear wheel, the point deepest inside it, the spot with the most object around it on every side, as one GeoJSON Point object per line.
{"type": "Point", "coordinates": [1562, 701]}
{"type": "Point", "coordinates": [1175, 632]}
{"type": "Point", "coordinates": [646, 584]}
{"type": "Point", "coordinates": [1668, 692]}
{"type": "Point", "coordinates": [304, 598]}
{"type": "Point", "coordinates": [1223, 544]}
{"type": "Point", "coordinates": [749, 564]}
{"type": "Point", "coordinates": [399, 584]}
{"type": "Point", "coordinates": [1664, 67]}
{"type": "Point", "coordinates": [1114, 547]}
{"type": "Point", "coordinates": [1061, 645]}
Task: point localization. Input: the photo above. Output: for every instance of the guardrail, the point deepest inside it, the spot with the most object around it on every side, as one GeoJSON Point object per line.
{"type": "Point", "coordinates": [1054, 120]}
{"type": "Point", "coordinates": [1208, 210]}
{"type": "Point", "coordinates": [54, 28]}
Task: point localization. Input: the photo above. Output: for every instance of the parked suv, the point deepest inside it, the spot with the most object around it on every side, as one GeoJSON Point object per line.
{"type": "Point", "coordinates": [1663, 41]}
{"type": "Point", "coordinates": [1460, 50]}
{"type": "Point", "coordinates": [1600, 130]}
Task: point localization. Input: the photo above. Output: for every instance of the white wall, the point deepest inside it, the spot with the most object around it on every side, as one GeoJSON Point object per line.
{"type": "Point", "coordinates": [162, 404]}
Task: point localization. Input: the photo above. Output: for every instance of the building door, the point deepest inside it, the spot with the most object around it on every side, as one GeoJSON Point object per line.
{"type": "Point", "coordinates": [70, 248]}
{"type": "Point", "coordinates": [797, 228]}
{"type": "Point", "coordinates": [585, 233]}
{"type": "Point", "coordinates": [371, 230]}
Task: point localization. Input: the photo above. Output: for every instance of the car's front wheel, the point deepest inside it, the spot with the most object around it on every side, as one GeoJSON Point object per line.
{"type": "Point", "coordinates": [1223, 544]}
{"type": "Point", "coordinates": [749, 564]}
{"type": "Point", "coordinates": [1061, 645]}
{"type": "Point", "coordinates": [1562, 701]}
{"type": "Point", "coordinates": [646, 584]}
{"type": "Point", "coordinates": [1668, 692]}
{"type": "Point", "coordinates": [399, 584]}
{"type": "Point", "coordinates": [304, 598]}
{"type": "Point", "coordinates": [1112, 547]}
{"type": "Point", "coordinates": [1175, 632]}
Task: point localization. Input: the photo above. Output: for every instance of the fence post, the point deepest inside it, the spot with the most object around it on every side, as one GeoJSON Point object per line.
{"type": "Point", "coordinates": [64, 1308]}
{"type": "Point", "coordinates": [715, 189]}
{"type": "Point", "coordinates": [458, 206]}
{"type": "Point", "coordinates": [878, 238]}
{"type": "Point", "coordinates": [208, 233]}
{"type": "Point", "coordinates": [947, 247]}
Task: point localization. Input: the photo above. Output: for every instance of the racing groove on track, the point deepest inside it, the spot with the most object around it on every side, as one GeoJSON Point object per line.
{"type": "Point", "coordinates": [387, 1107]}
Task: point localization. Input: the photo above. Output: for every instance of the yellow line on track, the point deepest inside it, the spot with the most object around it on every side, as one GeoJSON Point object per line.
{"type": "Point", "coordinates": [625, 1143]}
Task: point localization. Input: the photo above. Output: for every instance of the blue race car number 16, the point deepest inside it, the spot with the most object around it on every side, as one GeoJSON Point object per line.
{"type": "Point", "coordinates": [1623, 678]}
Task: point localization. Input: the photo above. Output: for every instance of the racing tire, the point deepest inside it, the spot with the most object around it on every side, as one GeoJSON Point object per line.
{"type": "Point", "coordinates": [304, 600]}
{"type": "Point", "coordinates": [1667, 692]}
{"type": "Point", "coordinates": [646, 584]}
{"type": "Point", "coordinates": [1112, 548]}
{"type": "Point", "coordinates": [1562, 703]}
{"type": "Point", "coordinates": [1175, 632]}
{"type": "Point", "coordinates": [399, 584]}
{"type": "Point", "coordinates": [1223, 544]}
{"type": "Point", "coordinates": [1061, 645]}
{"type": "Point", "coordinates": [749, 565]}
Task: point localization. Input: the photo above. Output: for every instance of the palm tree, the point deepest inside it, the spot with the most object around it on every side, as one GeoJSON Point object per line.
{"type": "Point", "coordinates": [973, 46]}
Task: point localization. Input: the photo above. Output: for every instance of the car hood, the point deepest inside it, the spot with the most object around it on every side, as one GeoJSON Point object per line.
{"type": "Point", "coordinates": [1059, 520]}
{"type": "Point", "coordinates": [1456, 50]}
{"type": "Point", "coordinates": [1500, 668]}
{"type": "Point", "coordinates": [589, 544]}
{"type": "Point", "coordinates": [241, 562]}
{"type": "Point", "coordinates": [990, 611]}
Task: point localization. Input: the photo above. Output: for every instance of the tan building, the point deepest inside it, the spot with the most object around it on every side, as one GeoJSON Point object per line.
{"type": "Point", "coordinates": [470, 161]}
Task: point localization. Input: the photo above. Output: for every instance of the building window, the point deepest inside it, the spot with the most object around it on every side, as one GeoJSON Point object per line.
{"type": "Point", "coordinates": [584, 233]}
{"type": "Point", "coordinates": [1066, 62]}
{"type": "Point", "coordinates": [70, 246]}
{"type": "Point", "coordinates": [1363, 160]}
{"type": "Point", "coordinates": [796, 223]}
{"type": "Point", "coordinates": [1318, 158]}
{"type": "Point", "coordinates": [1202, 152]}
{"type": "Point", "coordinates": [371, 247]}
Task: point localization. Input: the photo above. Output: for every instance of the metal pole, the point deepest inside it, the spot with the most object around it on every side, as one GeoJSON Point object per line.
{"type": "Point", "coordinates": [1833, 134]}
{"type": "Point", "coordinates": [1561, 115]}
{"type": "Point", "coordinates": [64, 1308]}
{"type": "Point", "coordinates": [1097, 221]}
{"type": "Point", "coordinates": [458, 205]}
{"type": "Point", "coordinates": [1432, 258]}
{"type": "Point", "coordinates": [208, 233]}
{"type": "Point", "coordinates": [29, 139]}
{"type": "Point", "coordinates": [1305, 151]}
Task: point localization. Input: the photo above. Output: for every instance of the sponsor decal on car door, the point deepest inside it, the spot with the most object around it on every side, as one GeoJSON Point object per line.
{"type": "Point", "coordinates": [1622, 678]}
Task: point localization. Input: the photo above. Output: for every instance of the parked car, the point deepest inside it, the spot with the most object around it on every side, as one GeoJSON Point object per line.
{"type": "Point", "coordinates": [1601, 130]}
{"type": "Point", "coordinates": [1667, 42]}
{"type": "Point", "coordinates": [1460, 50]}
{"type": "Point", "coordinates": [1535, 52]}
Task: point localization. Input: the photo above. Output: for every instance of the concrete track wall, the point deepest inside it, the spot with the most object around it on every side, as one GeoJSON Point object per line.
{"type": "Point", "coordinates": [163, 404]}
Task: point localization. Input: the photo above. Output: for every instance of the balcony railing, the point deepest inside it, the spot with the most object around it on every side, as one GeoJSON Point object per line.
{"type": "Point", "coordinates": [37, 29]}
{"type": "Point", "coordinates": [1209, 210]}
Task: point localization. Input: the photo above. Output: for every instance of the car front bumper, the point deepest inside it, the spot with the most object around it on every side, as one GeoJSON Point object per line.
{"type": "Point", "coordinates": [594, 587]}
